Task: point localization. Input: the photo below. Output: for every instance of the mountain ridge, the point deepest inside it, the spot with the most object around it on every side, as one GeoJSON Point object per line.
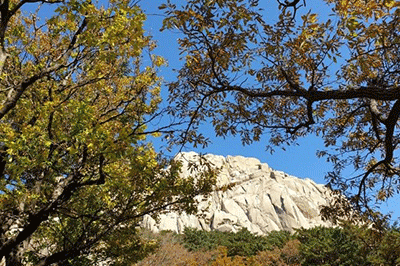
{"type": "Point", "coordinates": [259, 198]}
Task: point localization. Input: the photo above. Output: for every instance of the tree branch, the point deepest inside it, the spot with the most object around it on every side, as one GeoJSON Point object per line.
{"type": "Point", "coordinates": [391, 123]}
{"type": "Point", "coordinates": [14, 95]}
{"type": "Point", "coordinates": [62, 193]}
{"type": "Point", "coordinates": [388, 94]}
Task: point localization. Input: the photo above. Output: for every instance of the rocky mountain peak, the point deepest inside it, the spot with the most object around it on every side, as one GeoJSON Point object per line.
{"type": "Point", "coordinates": [259, 199]}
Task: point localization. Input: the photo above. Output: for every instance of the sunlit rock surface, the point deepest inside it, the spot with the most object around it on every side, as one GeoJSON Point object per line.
{"type": "Point", "coordinates": [259, 199]}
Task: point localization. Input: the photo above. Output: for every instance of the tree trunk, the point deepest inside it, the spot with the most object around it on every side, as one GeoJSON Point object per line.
{"type": "Point", "coordinates": [3, 57]}
{"type": "Point", "coordinates": [14, 258]}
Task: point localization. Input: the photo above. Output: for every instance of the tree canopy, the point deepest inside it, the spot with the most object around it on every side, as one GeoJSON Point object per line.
{"type": "Point", "coordinates": [77, 91]}
{"type": "Point", "coordinates": [336, 76]}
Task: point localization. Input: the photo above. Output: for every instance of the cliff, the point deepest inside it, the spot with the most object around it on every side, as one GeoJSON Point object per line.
{"type": "Point", "coordinates": [259, 199]}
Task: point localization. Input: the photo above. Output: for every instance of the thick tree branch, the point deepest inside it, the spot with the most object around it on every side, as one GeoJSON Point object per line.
{"type": "Point", "coordinates": [310, 120]}
{"type": "Point", "coordinates": [293, 4]}
{"type": "Point", "coordinates": [5, 17]}
{"type": "Point", "coordinates": [391, 123]}
{"type": "Point", "coordinates": [14, 95]}
{"type": "Point", "coordinates": [375, 119]}
{"type": "Point", "coordinates": [387, 94]}
{"type": "Point", "coordinates": [23, 2]}
{"type": "Point", "coordinates": [81, 247]}
{"type": "Point", "coordinates": [62, 193]}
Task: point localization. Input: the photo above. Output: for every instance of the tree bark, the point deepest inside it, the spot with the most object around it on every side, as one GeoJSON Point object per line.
{"type": "Point", "coordinates": [14, 258]}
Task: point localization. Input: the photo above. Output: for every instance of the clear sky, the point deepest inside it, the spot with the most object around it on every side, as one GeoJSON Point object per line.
{"type": "Point", "coordinates": [300, 161]}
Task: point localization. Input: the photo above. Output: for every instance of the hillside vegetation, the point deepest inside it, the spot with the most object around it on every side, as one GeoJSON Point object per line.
{"type": "Point", "coordinates": [347, 245]}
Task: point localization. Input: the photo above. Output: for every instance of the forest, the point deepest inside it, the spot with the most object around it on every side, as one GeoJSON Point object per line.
{"type": "Point", "coordinates": [348, 245]}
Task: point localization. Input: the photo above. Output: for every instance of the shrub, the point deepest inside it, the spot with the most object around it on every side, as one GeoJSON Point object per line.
{"type": "Point", "coordinates": [278, 239]}
{"type": "Point", "coordinates": [171, 252]}
{"type": "Point", "coordinates": [242, 243]}
{"type": "Point", "coordinates": [223, 259]}
{"type": "Point", "coordinates": [287, 255]}
{"type": "Point", "coordinates": [329, 246]}
{"type": "Point", "coordinates": [379, 247]}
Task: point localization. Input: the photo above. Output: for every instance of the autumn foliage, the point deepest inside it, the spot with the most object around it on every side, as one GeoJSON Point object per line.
{"type": "Point", "coordinates": [80, 94]}
{"type": "Point", "coordinates": [334, 74]}
{"type": "Point", "coordinates": [78, 90]}
{"type": "Point", "coordinates": [345, 245]}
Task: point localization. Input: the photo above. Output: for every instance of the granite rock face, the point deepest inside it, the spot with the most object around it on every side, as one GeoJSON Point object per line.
{"type": "Point", "coordinates": [259, 199]}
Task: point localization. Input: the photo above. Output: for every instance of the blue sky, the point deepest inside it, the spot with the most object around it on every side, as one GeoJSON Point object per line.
{"type": "Point", "coordinates": [296, 160]}
{"type": "Point", "coordinates": [299, 160]}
